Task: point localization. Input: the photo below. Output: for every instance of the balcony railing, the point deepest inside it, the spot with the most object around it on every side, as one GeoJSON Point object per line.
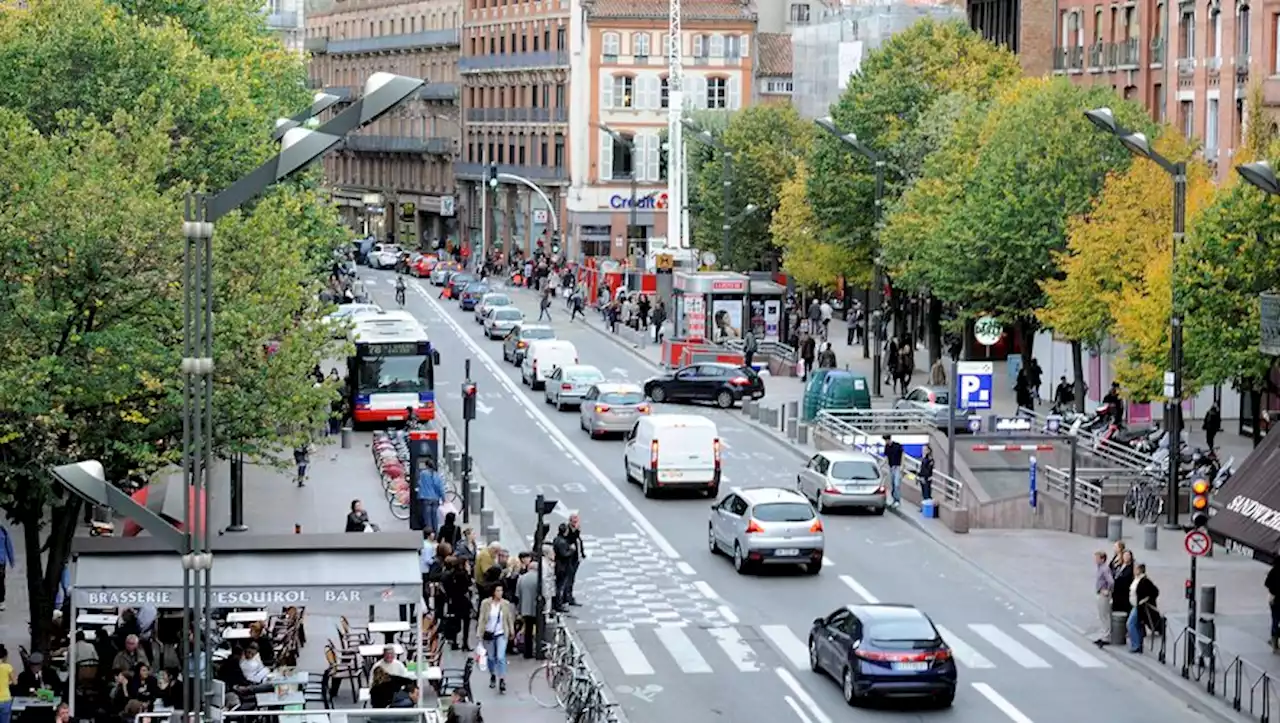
{"type": "Point", "coordinates": [533, 173]}
{"type": "Point", "coordinates": [345, 93]}
{"type": "Point", "coordinates": [1242, 66]}
{"type": "Point", "coordinates": [513, 61]}
{"type": "Point", "coordinates": [315, 45]}
{"type": "Point", "coordinates": [1128, 53]}
{"type": "Point", "coordinates": [1214, 64]}
{"type": "Point", "coordinates": [1095, 56]}
{"type": "Point", "coordinates": [388, 43]}
{"type": "Point", "coordinates": [399, 144]}
{"type": "Point", "coordinates": [438, 91]}
{"type": "Point", "coordinates": [517, 115]}
{"type": "Point", "coordinates": [285, 20]}
{"type": "Point", "coordinates": [1186, 66]}
{"type": "Point", "coordinates": [1158, 48]}
{"type": "Point", "coordinates": [1068, 59]}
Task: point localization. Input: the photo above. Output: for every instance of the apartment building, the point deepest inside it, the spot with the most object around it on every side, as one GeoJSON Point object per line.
{"type": "Point", "coordinates": [618, 128]}
{"type": "Point", "coordinates": [395, 178]}
{"type": "Point", "coordinates": [1194, 78]}
{"type": "Point", "coordinates": [1025, 27]}
{"type": "Point", "coordinates": [773, 68]}
{"type": "Point", "coordinates": [286, 19]}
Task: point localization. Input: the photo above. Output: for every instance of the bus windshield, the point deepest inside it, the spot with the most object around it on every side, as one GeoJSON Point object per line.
{"type": "Point", "coordinates": [408, 373]}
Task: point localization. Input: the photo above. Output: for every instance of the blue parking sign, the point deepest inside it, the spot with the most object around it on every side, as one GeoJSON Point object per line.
{"type": "Point", "coordinates": [973, 385]}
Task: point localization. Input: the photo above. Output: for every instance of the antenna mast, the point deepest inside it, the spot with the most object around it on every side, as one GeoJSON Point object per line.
{"type": "Point", "coordinates": [675, 132]}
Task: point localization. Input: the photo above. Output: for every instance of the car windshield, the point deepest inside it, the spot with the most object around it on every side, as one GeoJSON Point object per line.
{"type": "Point", "coordinates": [855, 470]}
{"type": "Point", "coordinates": [507, 314]}
{"type": "Point", "coordinates": [477, 289]}
{"type": "Point", "coordinates": [902, 630]}
{"type": "Point", "coordinates": [940, 398]}
{"type": "Point", "coordinates": [622, 397]}
{"type": "Point", "coordinates": [783, 512]}
{"type": "Point", "coordinates": [497, 300]}
{"type": "Point", "coordinates": [588, 376]}
{"type": "Point", "coordinates": [537, 334]}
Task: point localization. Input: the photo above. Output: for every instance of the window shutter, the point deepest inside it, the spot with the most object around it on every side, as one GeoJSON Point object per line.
{"type": "Point", "coordinates": [717, 46]}
{"type": "Point", "coordinates": [696, 94]}
{"type": "Point", "coordinates": [606, 91]}
{"type": "Point", "coordinates": [699, 46]}
{"type": "Point", "coordinates": [745, 46]}
{"type": "Point", "coordinates": [655, 92]}
{"type": "Point", "coordinates": [652, 157]}
{"type": "Point", "coordinates": [611, 44]}
{"type": "Point", "coordinates": [734, 93]}
{"type": "Point", "coordinates": [605, 171]}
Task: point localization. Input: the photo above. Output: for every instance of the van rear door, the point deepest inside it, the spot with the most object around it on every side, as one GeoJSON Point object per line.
{"type": "Point", "coordinates": [686, 454]}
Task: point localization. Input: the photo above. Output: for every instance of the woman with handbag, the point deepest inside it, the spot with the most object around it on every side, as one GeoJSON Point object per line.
{"type": "Point", "coordinates": [497, 626]}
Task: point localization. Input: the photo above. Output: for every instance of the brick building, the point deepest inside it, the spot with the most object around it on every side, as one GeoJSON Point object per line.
{"type": "Point", "coordinates": [395, 178]}
{"type": "Point", "coordinates": [773, 68]}
{"type": "Point", "coordinates": [1027, 27]}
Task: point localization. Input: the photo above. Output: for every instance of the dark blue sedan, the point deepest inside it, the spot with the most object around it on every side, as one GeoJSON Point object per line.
{"type": "Point", "coordinates": [883, 651]}
{"type": "Point", "coordinates": [471, 295]}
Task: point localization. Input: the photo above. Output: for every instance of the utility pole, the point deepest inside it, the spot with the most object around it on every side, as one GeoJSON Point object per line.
{"type": "Point", "coordinates": [468, 414]}
{"type": "Point", "coordinates": [726, 184]}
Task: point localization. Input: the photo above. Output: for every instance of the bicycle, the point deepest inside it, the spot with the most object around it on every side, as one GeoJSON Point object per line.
{"type": "Point", "coordinates": [1144, 501]}
{"type": "Point", "coordinates": [600, 711]}
{"type": "Point", "coordinates": [549, 682]}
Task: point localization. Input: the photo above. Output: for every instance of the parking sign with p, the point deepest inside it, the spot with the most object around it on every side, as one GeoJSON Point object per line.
{"type": "Point", "coordinates": [973, 385]}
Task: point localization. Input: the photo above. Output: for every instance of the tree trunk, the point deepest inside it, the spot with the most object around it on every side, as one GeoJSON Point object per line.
{"type": "Point", "coordinates": [934, 325]}
{"type": "Point", "coordinates": [44, 566]}
{"type": "Point", "coordinates": [1027, 334]}
{"type": "Point", "coordinates": [1077, 369]}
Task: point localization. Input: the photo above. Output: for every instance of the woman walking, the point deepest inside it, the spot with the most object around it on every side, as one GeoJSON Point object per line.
{"type": "Point", "coordinates": [497, 626]}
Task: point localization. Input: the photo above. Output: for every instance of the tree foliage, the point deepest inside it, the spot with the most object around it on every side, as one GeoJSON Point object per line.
{"type": "Point", "coordinates": [766, 143]}
{"type": "Point", "coordinates": [1114, 273]}
{"type": "Point", "coordinates": [807, 257]}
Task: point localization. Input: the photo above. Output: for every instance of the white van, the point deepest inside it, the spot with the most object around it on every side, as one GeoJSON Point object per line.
{"type": "Point", "coordinates": [674, 451]}
{"type": "Point", "coordinates": [544, 355]}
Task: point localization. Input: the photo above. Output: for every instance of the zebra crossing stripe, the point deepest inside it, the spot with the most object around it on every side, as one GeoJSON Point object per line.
{"type": "Point", "coordinates": [790, 646]}
{"type": "Point", "coordinates": [736, 649]}
{"type": "Point", "coordinates": [1069, 650]}
{"type": "Point", "coordinates": [963, 652]}
{"type": "Point", "coordinates": [682, 650]}
{"type": "Point", "coordinates": [1021, 654]}
{"type": "Point", "coordinates": [627, 652]}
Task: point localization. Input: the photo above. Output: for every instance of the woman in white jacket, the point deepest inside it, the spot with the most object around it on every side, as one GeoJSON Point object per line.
{"type": "Point", "coordinates": [496, 626]}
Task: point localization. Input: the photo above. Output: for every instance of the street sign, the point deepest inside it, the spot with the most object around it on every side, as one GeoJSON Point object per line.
{"type": "Point", "coordinates": [1052, 423]}
{"type": "Point", "coordinates": [975, 424]}
{"type": "Point", "coordinates": [1169, 379]}
{"type": "Point", "coordinates": [1031, 469]}
{"type": "Point", "coordinates": [973, 382]}
{"type": "Point", "coordinates": [987, 331]}
{"type": "Point", "coordinates": [1198, 543]}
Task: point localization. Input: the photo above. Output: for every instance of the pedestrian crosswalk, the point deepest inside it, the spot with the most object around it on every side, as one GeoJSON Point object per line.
{"type": "Point", "coordinates": [652, 650]}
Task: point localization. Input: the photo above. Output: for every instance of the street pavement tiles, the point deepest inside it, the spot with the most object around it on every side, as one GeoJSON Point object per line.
{"type": "Point", "coordinates": [648, 649]}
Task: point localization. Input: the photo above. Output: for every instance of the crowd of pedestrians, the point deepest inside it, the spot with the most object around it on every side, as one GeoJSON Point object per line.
{"type": "Point", "coordinates": [1121, 585]}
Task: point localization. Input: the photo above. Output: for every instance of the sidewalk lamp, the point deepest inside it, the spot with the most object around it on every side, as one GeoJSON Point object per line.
{"type": "Point", "coordinates": [630, 144]}
{"type": "Point", "coordinates": [726, 182]}
{"type": "Point", "coordinates": [299, 147]}
{"type": "Point", "coordinates": [851, 140]}
{"type": "Point", "coordinates": [320, 102]}
{"type": "Point", "coordinates": [1138, 144]}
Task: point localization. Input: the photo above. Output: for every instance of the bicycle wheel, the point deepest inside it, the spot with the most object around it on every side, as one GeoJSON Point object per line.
{"type": "Point", "coordinates": [542, 686]}
{"type": "Point", "coordinates": [452, 497]}
{"type": "Point", "coordinates": [398, 511]}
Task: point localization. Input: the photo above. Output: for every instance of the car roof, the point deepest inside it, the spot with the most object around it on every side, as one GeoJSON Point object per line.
{"type": "Point", "coordinates": [529, 327]}
{"type": "Point", "coordinates": [679, 420]}
{"type": "Point", "coordinates": [618, 388]}
{"type": "Point", "coordinates": [571, 368]}
{"type": "Point", "coordinates": [765, 495]}
{"type": "Point", "coordinates": [552, 344]}
{"type": "Point", "coordinates": [496, 293]}
{"type": "Point", "coordinates": [849, 455]}
{"type": "Point", "coordinates": [884, 612]}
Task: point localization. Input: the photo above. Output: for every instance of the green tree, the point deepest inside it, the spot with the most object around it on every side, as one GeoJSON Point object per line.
{"type": "Point", "coordinates": [766, 143]}
{"type": "Point", "coordinates": [814, 262]}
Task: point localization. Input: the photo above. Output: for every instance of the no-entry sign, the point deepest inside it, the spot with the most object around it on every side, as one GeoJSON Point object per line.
{"type": "Point", "coordinates": [1198, 543]}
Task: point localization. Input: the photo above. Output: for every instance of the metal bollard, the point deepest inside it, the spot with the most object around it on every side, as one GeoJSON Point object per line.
{"type": "Point", "coordinates": [792, 424]}
{"type": "Point", "coordinates": [1206, 613]}
{"type": "Point", "coordinates": [802, 433]}
{"type": "Point", "coordinates": [346, 437]}
{"type": "Point", "coordinates": [1115, 528]}
{"type": "Point", "coordinates": [1150, 537]}
{"type": "Point", "coordinates": [1119, 628]}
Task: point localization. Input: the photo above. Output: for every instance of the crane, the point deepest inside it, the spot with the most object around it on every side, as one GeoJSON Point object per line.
{"type": "Point", "coordinates": [676, 220]}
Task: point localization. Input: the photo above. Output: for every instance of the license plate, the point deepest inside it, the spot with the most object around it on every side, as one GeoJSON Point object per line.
{"type": "Point", "coordinates": [911, 667]}
{"type": "Point", "coordinates": [787, 553]}
{"type": "Point", "coordinates": [757, 395]}
{"type": "Point", "coordinates": [671, 474]}
{"type": "Point", "coordinates": [395, 419]}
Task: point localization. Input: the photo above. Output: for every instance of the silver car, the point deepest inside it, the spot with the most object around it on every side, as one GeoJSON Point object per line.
{"type": "Point", "coordinates": [933, 402]}
{"type": "Point", "coordinates": [612, 407]}
{"type": "Point", "coordinates": [440, 274]}
{"type": "Point", "coordinates": [766, 526]}
{"type": "Point", "coordinates": [515, 343]}
{"type": "Point", "coordinates": [567, 385]}
{"type": "Point", "coordinates": [501, 320]}
{"type": "Point", "coordinates": [843, 478]}
{"type": "Point", "coordinates": [491, 300]}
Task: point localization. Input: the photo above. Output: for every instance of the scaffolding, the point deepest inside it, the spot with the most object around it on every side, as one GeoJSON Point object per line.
{"type": "Point", "coordinates": [831, 49]}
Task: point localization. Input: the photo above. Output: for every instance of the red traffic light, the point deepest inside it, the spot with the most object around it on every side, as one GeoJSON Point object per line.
{"type": "Point", "coordinates": [469, 390]}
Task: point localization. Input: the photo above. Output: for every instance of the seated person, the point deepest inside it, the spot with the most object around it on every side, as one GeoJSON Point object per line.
{"type": "Point", "coordinates": [266, 649]}
{"type": "Point", "coordinates": [86, 652]}
{"type": "Point", "coordinates": [246, 673]}
{"type": "Point", "coordinates": [251, 665]}
{"type": "Point", "coordinates": [131, 656]}
{"type": "Point", "coordinates": [390, 665]}
{"type": "Point", "coordinates": [143, 686]}
{"type": "Point", "coordinates": [37, 677]}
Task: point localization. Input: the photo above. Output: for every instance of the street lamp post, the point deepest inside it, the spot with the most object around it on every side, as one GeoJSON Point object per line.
{"type": "Point", "coordinates": [320, 102]}
{"type": "Point", "coordinates": [298, 149]}
{"type": "Point", "coordinates": [1136, 142]}
{"type": "Point", "coordinates": [726, 184]}
{"type": "Point", "coordinates": [630, 144]}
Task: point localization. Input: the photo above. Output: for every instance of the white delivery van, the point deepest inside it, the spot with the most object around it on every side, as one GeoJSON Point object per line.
{"type": "Point", "coordinates": [674, 451]}
{"type": "Point", "coordinates": [542, 356]}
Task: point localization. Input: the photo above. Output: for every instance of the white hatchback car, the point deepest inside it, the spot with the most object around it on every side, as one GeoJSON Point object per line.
{"type": "Point", "coordinates": [384, 256]}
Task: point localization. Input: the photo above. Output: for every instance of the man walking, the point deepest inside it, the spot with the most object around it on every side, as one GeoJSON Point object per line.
{"type": "Point", "coordinates": [562, 551]}
{"type": "Point", "coordinates": [7, 560]}
{"type": "Point", "coordinates": [893, 455]}
{"type": "Point", "coordinates": [430, 495]}
{"type": "Point", "coordinates": [527, 599]}
{"type": "Point", "coordinates": [749, 346]}
{"type": "Point", "coordinates": [544, 308]}
{"type": "Point", "coordinates": [1103, 582]}
{"type": "Point", "coordinates": [578, 555]}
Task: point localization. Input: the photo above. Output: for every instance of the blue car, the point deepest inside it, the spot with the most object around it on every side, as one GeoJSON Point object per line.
{"type": "Point", "coordinates": [890, 651]}
{"type": "Point", "coordinates": [471, 295]}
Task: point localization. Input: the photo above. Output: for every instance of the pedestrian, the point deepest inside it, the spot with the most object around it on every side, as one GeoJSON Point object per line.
{"type": "Point", "coordinates": [430, 495]}
{"type": "Point", "coordinates": [1122, 575]}
{"type": "Point", "coordinates": [925, 474]}
{"type": "Point", "coordinates": [449, 534]}
{"type": "Point", "coordinates": [527, 599]}
{"type": "Point", "coordinates": [1064, 396]}
{"type": "Point", "coordinates": [576, 302]}
{"type": "Point", "coordinates": [563, 551]}
{"type": "Point", "coordinates": [427, 561]}
{"type": "Point", "coordinates": [808, 350]}
{"type": "Point", "coordinates": [853, 326]}
{"type": "Point", "coordinates": [749, 346]}
{"type": "Point", "coordinates": [1272, 584]}
{"type": "Point", "coordinates": [1022, 390]}
{"type": "Point", "coordinates": [1116, 404]}
{"type": "Point", "coordinates": [825, 313]}
{"type": "Point", "coordinates": [1035, 375]}
{"type": "Point", "coordinates": [891, 363]}
{"type": "Point", "coordinates": [302, 458]}
{"type": "Point", "coordinates": [937, 374]}
{"type": "Point", "coordinates": [827, 357]}
{"type": "Point", "coordinates": [1103, 582]}
{"type": "Point", "coordinates": [815, 316]}
{"type": "Point", "coordinates": [7, 679]}
{"type": "Point", "coordinates": [544, 308]}
{"type": "Point", "coordinates": [7, 560]}
{"type": "Point", "coordinates": [1142, 594]}
{"type": "Point", "coordinates": [659, 318]}
{"type": "Point", "coordinates": [457, 592]}
{"type": "Point", "coordinates": [579, 554]}
{"type": "Point", "coordinates": [893, 455]}
{"type": "Point", "coordinates": [357, 518]}
{"type": "Point", "coordinates": [496, 624]}
{"type": "Point", "coordinates": [906, 365]}
{"type": "Point", "coordinates": [335, 417]}
{"type": "Point", "coordinates": [1212, 425]}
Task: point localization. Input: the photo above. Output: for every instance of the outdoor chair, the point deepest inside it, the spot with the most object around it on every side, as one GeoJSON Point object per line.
{"type": "Point", "coordinates": [457, 680]}
{"type": "Point", "coordinates": [338, 671]}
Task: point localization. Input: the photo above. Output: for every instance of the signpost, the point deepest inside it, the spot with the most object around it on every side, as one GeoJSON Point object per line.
{"type": "Point", "coordinates": [973, 382]}
{"type": "Point", "coordinates": [987, 331]}
{"type": "Point", "coordinates": [1031, 473]}
{"type": "Point", "coordinates": [1197, 543]}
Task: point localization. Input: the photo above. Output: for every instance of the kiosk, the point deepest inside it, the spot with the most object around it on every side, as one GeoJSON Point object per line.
{"type": "Point", "coordinates": [709, 309]}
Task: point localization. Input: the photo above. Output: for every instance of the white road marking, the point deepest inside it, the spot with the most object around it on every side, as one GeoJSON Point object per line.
{"type": "Point", "coordinates": [516, 393]}
{"type": "Point", "coordinates": [802, 695]}
{"type": "Point", "coordinates": [1020, 653]}
{"type": "Point", "coordinates": [627, 652]}
{"type": "Point", "coordinates": [862, 592]}
{"type": "Point", "coordinates": [727, 614]}
{"type": "Point", "coordinates": [705, 589]}
{"type": "Point", "coordinates": [737, 650]}
{"type": "Point", "coordinates": [795, 708]}
{"type": "Point", "coordinates": [682, 650]}
{"type": "Point", "coordinates": [964, 653]}
{"type": "Point", "coordinates": [791, 647]}
{"type": "Point", "coordinates": [1068, 649]}
{"type": "Point", "coordinates": [827, 561]}
{"type": "Point", "coordinates": [1009, 709]}
{"type": "Point", "coordinates": [685, 567]}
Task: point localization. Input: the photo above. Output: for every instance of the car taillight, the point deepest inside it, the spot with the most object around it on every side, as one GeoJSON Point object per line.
{"type": "Point", "coordinates": [753, 526]}
{"type": "Point", "coordinates": [653, 454]}
{"type": "Point", "coordinates": [941, 656]}
{"type": "Point", "coordinates": [602, 408]}
{"type": "Point", "coordinates": [893, 657]}
{"type": "Point", "coordinates": [643, 409]}
{"type": "Point", "coordinates": [816, 526]}
{"type": "Point", "coordinates": [740, 381]}
{"type": "Point", "coordinates": [880, 490]}
{"type": "Point", "coordinates": [521, 345]}
{"type": "Point", "coordinates": [831, 487]}
{"type": "Point", "coordinates": [566, 387]}
{"type": "Point", "coordinates": [715, 446]}
{"type": "Point", "coordinates": [535, 367]}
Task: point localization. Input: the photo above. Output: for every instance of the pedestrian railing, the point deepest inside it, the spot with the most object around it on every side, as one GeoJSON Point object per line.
{"type": "Point", "coordinates": [349, 715]}
{"type": "Point", "coordinates": [1088, 494]}
{"type": "Point", "coordinates": [1119, 455]}
{"type": "Point", "coordinates": [1240, 684]}
{"type": "Point", "coordinates": [843, 426]}
{"type": "Point", "coordinates": [769, 348]}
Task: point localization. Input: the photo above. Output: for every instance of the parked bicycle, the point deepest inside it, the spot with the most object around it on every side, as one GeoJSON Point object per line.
{"type": "Point", "coordinates": [1144, 501]}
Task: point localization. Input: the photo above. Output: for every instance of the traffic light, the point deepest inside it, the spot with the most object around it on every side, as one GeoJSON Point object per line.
{"type": "Point", "coordinates": [555, 245]}
{"type": "Point", "coordinates": [1200, 503]}
{"type": "Point", "coordinates": [468, 401]}
{"type": "Point", "coordinates": [493, 176]}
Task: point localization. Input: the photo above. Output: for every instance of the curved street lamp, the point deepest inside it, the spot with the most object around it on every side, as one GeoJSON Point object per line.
{"type": "Point", "coordinates": [320, 102]}
{"type": "Point", "coordinates": [1261, 176]}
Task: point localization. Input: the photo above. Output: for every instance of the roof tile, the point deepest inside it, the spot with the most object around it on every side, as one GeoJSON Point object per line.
{"type": "Point", "coordinates": [659, 9]}
{"type": "Point", "coordinates": [773, 54]}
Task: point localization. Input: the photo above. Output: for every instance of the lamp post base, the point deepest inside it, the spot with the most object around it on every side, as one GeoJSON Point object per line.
{"type": "Point", "coordinates": [237, 528]}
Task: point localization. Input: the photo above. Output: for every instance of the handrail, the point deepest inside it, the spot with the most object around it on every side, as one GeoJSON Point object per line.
{"type": "Point", "coordinates": [768, 347]}
{"type": "Point", "coordinates": [1199, 658]}
{"type": "Point", "coordinates": [839, 423]}
{"type": "Point", "coordinates": [1092, 442]}
{"type": "Point", "coordinates": [878, 420]}
{"type": "Point", "coordinates": [1088, 492]}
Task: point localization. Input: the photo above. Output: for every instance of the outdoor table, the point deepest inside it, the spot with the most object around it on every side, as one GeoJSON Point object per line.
{"type": "Point", "coordinates": [248, 616]}
{"type": "Point", "coordinates": [235, 634]}
{"type": "Point", "coordinates": [27, 702]}
{"type": "Point", "coordinates": [98, 619]}
{"type": "Point", "coordinates": [389, 628]}
{"type": "Point", "coordinates": [272, 700]}
{"type": "Point", "coordinates": [297, 678]}
{"type": "Point", "coordinates": [375, 651]}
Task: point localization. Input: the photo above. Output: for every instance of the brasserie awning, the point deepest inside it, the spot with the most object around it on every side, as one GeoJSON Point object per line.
{"type": "Point", "coordinates": [1247, 507]}
{"type": "Point", "coordinates": [253, 571]}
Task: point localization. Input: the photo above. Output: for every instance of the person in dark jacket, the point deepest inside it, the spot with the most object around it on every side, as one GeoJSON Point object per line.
{"type": "Point", "coordinates": [457, 590]}
{"type": "Point", "coordinates": [893, 456]}
{"type": "Point", "coordinates": [808, 351]}
{"type": "Point", "coordinates": [1123, 580]}
{"type": "Point", "coordinates": [1212, 425]}
{"type": "Point", "coordinates": [449, 532]}
{"type": "Point", "coordinates": [1272, 584]}
{"type": "Point", "coordinates": [925, 474]}
{"type": "Point", "coordinates": [563, 550]}
{"type": "Point", "coordinates": [357, 518]}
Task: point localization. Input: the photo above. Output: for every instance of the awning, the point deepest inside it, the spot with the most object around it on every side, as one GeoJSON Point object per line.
{"type": "Point", "coordinates": [1247, 508]}
{"type": "Point", "coordinates": [253, 571]}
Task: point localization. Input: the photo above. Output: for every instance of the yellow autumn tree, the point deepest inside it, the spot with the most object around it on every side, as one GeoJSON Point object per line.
{"type": "Point", "coordinates": [806, 257]}
{"type": "Point", "coordinates": [1116, 267]}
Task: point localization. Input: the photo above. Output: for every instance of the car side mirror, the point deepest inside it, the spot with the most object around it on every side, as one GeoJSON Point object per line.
{"type": "Point", "coordinates": [819, 622]}
{"type": "Point", "coordinates": [715, 506]}
{"type": "Point", "coordinates": [435, 356]}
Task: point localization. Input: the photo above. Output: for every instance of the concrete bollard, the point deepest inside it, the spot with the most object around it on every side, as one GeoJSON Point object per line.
{"type": "Point", "coordinates": [749, 407]}
{"type": "Point", "coordinates": [1119, 628]}
{"type": "Point", "coordinates": [802, 433]}
{"type": "Point", "coordinates": [489, 525]}
{"type": "Point", "coordinates": [1150, 537]}
{"type": "Point", "coordinates": [477, 497]}
{"type": "Point", "coordinates": [346, 437]}
{"type": "Point", "coordinates": [771, 418]}
{"type": "Point", "coordinates": [757, 411]}
{"type": "Point", "coordinates": [1115, 528]}
{"type": "Point", "coordinates": [455, 463]}
{"type": "Point", "coordinates": [1206, 613]}
{"type": "Point", "coordinates": [793, 412]}
{"type": "Point", "coordinates": [449, 449]}
{"type": "Point", "coordinates": [792, 424]}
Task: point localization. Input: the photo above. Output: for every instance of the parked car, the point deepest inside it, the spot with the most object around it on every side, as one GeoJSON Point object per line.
{"type": "Point", "coordinates": [423, 265]}
{"type": "Point", "coordinates": [767, 526]}
{"type": "Point", "coordinates": [518, 339]}
{"type": "Point", "coordinates": [934, 401]}
{"type": "Point", "coordinates": [441, 273]}
{"type": "Point", "coordinates": [471, 295]}
{"type": "Point", "coordinates": [500, 320]}
{"type": "Point", "coordinates": [612, 407]}
{"type": "Point", "coordinates": [456, 283]}
{"type": "Point", "coordinates": [567, 385]}
{"type": "Point", "coordinates": [843, 479]}
{"type": "Point", "coordinates": [385, 256]}
{"type": "Point", "coordinates": [724, 384]}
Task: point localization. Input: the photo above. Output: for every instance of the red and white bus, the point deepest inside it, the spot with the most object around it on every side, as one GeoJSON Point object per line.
{"type": "Point", "coordinates": [391, 374]}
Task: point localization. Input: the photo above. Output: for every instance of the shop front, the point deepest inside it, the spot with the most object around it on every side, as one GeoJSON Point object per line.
{"type": "Point", "coordinates": [715, 308]}
{"type": "Point", "coordinates": [601, 217]}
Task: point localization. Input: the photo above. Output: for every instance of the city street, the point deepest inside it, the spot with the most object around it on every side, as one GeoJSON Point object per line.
{"type": "Point", "coordinates": [676, 629]}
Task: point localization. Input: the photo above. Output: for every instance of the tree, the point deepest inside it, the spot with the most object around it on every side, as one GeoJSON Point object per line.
{"type": "Point", "coordinates": [1037, 164]}
{"type": "Point", "coordinates": [766, 142]}
{"type": "Point", "coordinates": [1114, 272]}
{"type": "Point", "coordinates": [806, 257]}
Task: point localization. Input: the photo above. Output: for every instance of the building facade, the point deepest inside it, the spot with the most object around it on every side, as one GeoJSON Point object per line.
{"type": "Point", "coordinates": [773, 82]}
{"type": "Point", "coordinates": [1193, 78]}
{"type": "Point", "coordinates": [620, 126]}
{"type": "Point", "coordinates": [286, 18]}
{"type": "Point", "coordinates": [394, 179]}
{"type": "Point", "coordinates": [1026, 27]}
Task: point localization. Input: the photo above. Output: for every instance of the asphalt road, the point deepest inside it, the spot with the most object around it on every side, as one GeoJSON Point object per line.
{"type": "Point", "coordinates": [680, 635]}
